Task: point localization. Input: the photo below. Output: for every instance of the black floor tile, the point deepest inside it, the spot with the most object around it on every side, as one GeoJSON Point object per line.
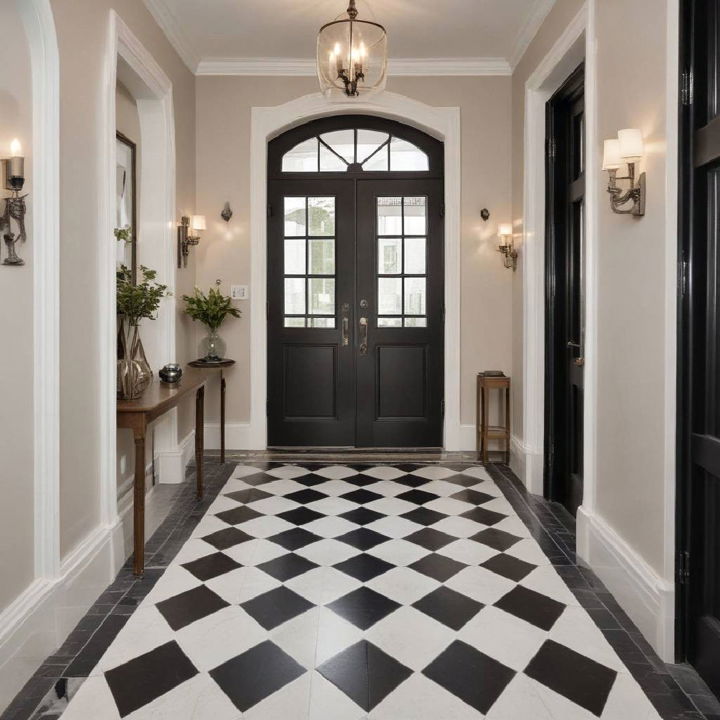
{"type": "Point", "coordinates": [572, 675]}
{"type": "Point", "coordinates": [484, 516]}
{"type": "Point", "coordinates": [238, 515]}
{"type": "Point", "coordinates": [361, 496]}
{"type": "Point", "coordinates": [187, 607]}
{"type": "Point", "coordinates": [295, 538]}
{"type": "Point", "coordinates": [251, 677]}
{"type": "Point", "coordinates": [424, 516]}
{"type": "Point", "coordinates": [533, 607]}
{"type": "Point", "coordinates": [363, 538]}
{"type": "Point", "coordinates": [287, 566]}
{"type": "Point", "coordinates": [363, 607]}
{"type": "Point", "coordinates": [474, 677]}
{"type": "Point", "coordinates": [300, 516]}
{"type": "Point", "coordinates": [497, 539]}
{"type": "Point", "coordinates": [361, 516]}
{"type": "Point", "coordinates": [365, 673]}
{"type": "Point", "coordinates": [275, 607]}
{"type": "Point", "coordinates": [147, 677]}
{"type": "Point", "coordinates": [364, 567]}
{"type": "Point", "coordinates": [449, 607]}
{"type": "Point", "coordinates": [508, 566]}
{"type": "Point", "coordinates": [419, 497]}
{"type": "Point", "coordinates": [430, 539]}
{"type": "Point", "coordinates": [210, 566]}
{"type": "Point", "coordinates": [438, 566]}
{"type": "Point", "coordinates": [472, 496]}
{"type": "Point", "coordinates": [248, 496]}
{"type": "Point", "coordinates": [227, 538]}
{"type": "Point", "coordinates": [306, 496]}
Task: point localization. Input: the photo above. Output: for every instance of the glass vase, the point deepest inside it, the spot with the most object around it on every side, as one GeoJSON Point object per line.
{"type": "Point", "coordinates": [133, 370]}
{"type": "Point", "coordinates": [213, 346]}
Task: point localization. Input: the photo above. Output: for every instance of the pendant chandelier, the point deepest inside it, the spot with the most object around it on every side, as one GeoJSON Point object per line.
{"type": "Point", "coordinates": [351, 56]}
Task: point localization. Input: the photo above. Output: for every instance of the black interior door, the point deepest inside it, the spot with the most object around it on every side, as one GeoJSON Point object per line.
{"type": "Point", "coordinates": [355, 286]}
{"type": "Point", "coordinates": [311, 293]}
{"type": "Point", "coordinates": [699, 333]}
{"type": "Point", "coordinates": [400, 313]}
{"type": "Point", "coordinates": [565, 294]}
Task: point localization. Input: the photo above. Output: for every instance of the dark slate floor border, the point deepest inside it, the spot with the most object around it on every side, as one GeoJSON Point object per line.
{"type": "Point", "coordinates": [676, 691]}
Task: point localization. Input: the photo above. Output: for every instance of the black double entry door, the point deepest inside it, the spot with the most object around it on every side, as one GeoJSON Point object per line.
{"type": "Point", "coordinates": [355, 314]}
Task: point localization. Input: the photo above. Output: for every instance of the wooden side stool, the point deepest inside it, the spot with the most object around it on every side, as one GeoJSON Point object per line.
{"type": "Point", "coordinates": [484, 431]}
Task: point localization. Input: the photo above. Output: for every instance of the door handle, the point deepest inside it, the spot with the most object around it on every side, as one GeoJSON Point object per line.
{"type": "Point", "coordinates": [580, 360]}
{"type": "Point", "coordinates": [577, 346]}
{"type": "Point", "coordinates": [363, 335]}
{"type": "Point", "coordinates": [345, 324]}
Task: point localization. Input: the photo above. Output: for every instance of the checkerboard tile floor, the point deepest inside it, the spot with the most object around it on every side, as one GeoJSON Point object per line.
{"type": "Point", "coordinates": [402, 592]}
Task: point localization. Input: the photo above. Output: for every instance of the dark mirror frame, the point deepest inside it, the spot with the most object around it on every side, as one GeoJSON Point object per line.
{"type": "Point", "coordinates": [133, 215]}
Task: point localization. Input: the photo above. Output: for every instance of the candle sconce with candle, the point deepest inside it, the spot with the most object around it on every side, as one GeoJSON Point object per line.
{"type": "Point", "coordinates": [15, 207]}
{"type": "Point", "coordinates": [627, 148]}
{"type": "Point", "coordinates": [507, 247]}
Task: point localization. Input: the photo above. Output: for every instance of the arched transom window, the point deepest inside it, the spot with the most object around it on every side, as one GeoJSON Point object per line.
{"type": "Point", "coordinates": [355, 150]}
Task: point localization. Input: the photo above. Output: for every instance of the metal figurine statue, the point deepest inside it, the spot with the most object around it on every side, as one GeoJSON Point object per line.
{"type": "Point", "coordinates": [15, 209]}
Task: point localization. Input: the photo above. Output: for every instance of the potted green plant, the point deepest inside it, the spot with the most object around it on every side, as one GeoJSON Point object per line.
{"type": "Point", "coordinates": [211, 309]}
{"type": "Point", "coordinates": [135, 301]}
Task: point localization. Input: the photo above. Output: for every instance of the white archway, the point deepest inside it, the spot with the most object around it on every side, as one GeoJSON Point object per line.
{"type": "Point", "coordinates": [268, 122]}
{"type": "Point", "coordinates": [128, 60]}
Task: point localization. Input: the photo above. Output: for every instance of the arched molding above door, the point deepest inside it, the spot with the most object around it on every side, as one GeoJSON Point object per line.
{"type": "Point", "coordinates": [268, 123]}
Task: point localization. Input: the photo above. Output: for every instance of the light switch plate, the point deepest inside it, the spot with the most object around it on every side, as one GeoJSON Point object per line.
{"type": "Point", "coordinates": [239, 292]}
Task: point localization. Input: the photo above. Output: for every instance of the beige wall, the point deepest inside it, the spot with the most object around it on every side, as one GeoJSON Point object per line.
{"type": "Point", "coordinates": [552, 28]}
{"type": "Point", "coordinates": [82, 29]}
{"type": "Point", "coordinates": [223, 152]}
{"type": "Point", "coordinates": [16, 327]}
{"type": "Point", "coordinates": [631, 293]}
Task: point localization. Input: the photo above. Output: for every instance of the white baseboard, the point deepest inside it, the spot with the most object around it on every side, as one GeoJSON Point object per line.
{"type": "Point", "coordinates": [237, 436]}
{"type": "Point", "coordinates": [171, 464]}
{"type": "Point", "coordinates": [527, 464]}
{"type": "Point", "coordinates": [648, 599]}
{"type": "Point", "coordinates": [36, 623]}
{"type": "Point", "coordinates": [467, 438]}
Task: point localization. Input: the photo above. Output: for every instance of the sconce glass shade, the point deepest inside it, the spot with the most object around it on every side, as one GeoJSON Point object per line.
{"type": "Point", "coordinates": [198, 222]}
{"type": "Point", "coordinates": [505, 230]}
{"type": "Point", "coordinates": [351, 56]}
{"type": "Point", "coordinates": [632, 147]}
{"type": "Point", "coordinates": [15, 148]}
{"type": "Point", "coordinates": [611, 155]}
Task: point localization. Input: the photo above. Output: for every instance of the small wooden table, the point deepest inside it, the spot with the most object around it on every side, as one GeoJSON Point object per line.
{"type": "Point", "coordinates": [136, 415]}
{"type": "Point", "coordinates": [218, 365]}
{"type": "Point", "coordinates": [484, 431]}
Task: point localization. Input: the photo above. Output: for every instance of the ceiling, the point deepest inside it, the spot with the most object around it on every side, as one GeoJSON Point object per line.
{"type": "Point", "coordinates": [479, 34]}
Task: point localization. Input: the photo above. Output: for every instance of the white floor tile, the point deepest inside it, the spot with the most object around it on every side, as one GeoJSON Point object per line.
{"type": "Point", "coordinates": [403, 585]}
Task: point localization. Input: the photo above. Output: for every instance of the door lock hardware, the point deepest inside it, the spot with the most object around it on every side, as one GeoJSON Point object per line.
{"type": "Point", "coordinates": [363, 335]}
{"type": "Point", "coordinates": [364, 304]}
{"type": "Point", "coordinates": [345, 324]}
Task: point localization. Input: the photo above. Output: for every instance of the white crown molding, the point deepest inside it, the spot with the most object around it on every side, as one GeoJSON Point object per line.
{"type": "Point", "coordinates": [528, 31]}
{"type": "Point", "coordinates": [175, 35]}
{"type": "Point", "coordinates": [401, 67]}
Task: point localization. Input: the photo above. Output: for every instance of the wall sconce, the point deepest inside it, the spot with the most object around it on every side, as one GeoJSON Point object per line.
{"type": "Point", "coordinates": [627, 148]}
{"type": "Point", "coordinates": [15, 207]}
{"type": "Point", "coordinates": [185, 239]}
{"type": "Point", "coordinates": [506, 247]}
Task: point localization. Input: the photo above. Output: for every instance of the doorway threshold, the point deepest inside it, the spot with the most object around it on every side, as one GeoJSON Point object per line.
{"type": "Point", "coordinates": [351, 454]}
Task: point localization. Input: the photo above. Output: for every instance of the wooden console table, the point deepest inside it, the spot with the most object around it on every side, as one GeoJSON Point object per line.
{"type": "Point", "coordinates": [136, 415]}
{"type": "Point", "coordinates": [484, 431]}
{"type": "Point", "coordinates": [219, 365]}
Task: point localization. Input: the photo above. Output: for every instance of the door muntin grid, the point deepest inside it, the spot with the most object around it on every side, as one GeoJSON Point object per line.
{"type": "Point", "coordinates": [309, 246]}
{"type": "Point", "coordinates": [401, 252]}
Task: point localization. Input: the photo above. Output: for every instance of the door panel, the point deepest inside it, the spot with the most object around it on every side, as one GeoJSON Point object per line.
{"type": "Point", "coordinates": [400, 284]}
{"type": "Point", "coordinates": [699, 346]}
{"type": "Point", "coordinates": [565, 311]}
{"type": "Point", "coordinates": [311, 259]}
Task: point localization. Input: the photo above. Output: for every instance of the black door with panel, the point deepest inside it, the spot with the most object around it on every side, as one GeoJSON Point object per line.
{"type": "Point", "coordinates": [699, 342]}
{"type": "Point", "coordinates": [564, 335]}
{"type": "Point", "coordinates": [355, 286]}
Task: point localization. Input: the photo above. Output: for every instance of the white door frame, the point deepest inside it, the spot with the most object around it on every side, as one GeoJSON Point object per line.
{"type": "Point", "coordinates": [153, 92]}
{"type": "Point", "coordinates": [565, 55]}
{"type": "Point", "coordinates": [268, 122]}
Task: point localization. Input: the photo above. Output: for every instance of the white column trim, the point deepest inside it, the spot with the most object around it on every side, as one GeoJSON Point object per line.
{"type": "Point", "coordinates": [565, 55]}
{"type": "Point", "coordinates": [267, 122]}
{"type": "Point", "coordinates": [39, 24]}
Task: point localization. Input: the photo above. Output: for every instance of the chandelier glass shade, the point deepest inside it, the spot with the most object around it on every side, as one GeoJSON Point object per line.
{"type": "Point", "coordinates": [351, 56]}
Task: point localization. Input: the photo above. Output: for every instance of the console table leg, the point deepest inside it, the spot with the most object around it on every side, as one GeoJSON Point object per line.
{"type": "Point", "coordinates": [139, 504]}
{"type": "Point", "coordinates": [199, 439]}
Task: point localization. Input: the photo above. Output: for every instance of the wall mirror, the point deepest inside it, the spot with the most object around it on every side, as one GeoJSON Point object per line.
{"type": "Point", "coordinates": [126, 202]}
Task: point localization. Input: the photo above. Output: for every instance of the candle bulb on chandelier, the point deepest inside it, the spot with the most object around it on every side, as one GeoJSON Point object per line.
{"type": "Point", "coordinates": [17, 162]}
{"type": "Point", "coordinates": [338, 59]}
